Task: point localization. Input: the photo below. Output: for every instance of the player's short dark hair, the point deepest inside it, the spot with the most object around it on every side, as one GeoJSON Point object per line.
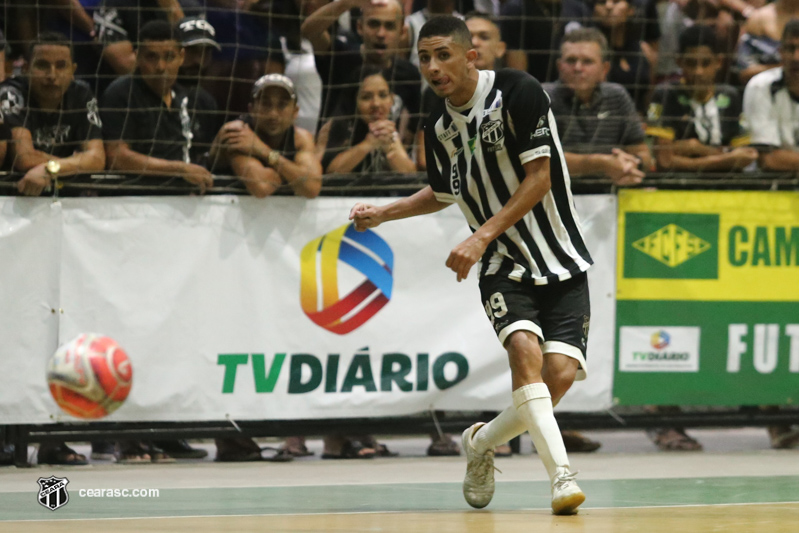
{"type": "Point", "coordinates": [158, 30]}
{"type": "Point", "coordinates": [447, 26]}
{"type": "Point", "coordinates": [589, 35]}
{"type": "Point", "coordinates": [52, 38]}
{"type": "Point", "coordinates": [484, 16]}
{"type": "Point", "coordinates": [791, 30]}
{"type": "Point", "coordinates": [697, 36]}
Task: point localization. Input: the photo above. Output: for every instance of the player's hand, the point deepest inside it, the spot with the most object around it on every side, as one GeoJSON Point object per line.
{"type": "Point", "coordinates": [365, 216]}
{"type": "Point", "coordinates": [463, 257]}
{"type": "Point", "coordinates": [35, 181]}
{"type": "Point", "coordinates": [199, 176]}
{"type": "Point", "coordinates": [743, 156]}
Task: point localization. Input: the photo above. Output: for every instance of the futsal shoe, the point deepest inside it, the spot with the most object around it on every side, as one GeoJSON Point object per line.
{"type": "Point", "coordinates": [566, 495]}
{"type": "Point", "coordinates": [478, 485]}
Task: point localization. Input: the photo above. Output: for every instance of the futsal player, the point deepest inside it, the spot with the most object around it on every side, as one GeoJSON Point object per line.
{"type": "Point", "coordinates": [492, 147]}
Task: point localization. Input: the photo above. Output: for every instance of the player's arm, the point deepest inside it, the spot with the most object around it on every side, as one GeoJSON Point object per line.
{"type": "Point", "coordinates": [421, 203]}
{"type": "Point", "coordinates": [532, 189]}
{"type": "Point", "coordinates": [260, 181]}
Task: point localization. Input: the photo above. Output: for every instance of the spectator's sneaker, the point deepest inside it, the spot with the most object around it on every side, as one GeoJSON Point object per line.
{"type": "Point", "coordinates": [566, 495]}
{"type": "Point", "coordinates": [478, 485]}
{"type": "Point", "coordinates": [180, 449]}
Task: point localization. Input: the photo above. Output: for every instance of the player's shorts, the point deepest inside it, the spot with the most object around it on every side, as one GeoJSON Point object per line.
{"type": "Point", "coordinates": [558, 313]}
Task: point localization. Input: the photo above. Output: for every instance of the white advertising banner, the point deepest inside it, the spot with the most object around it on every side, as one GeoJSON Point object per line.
{"type": "Point", "coordinates": [233, 307]}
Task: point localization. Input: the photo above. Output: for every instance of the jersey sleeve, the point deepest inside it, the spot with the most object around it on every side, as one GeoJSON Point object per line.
{"type": "Point", "coordinates": [529, 117]}
{"type": "Point", "coordinates": [438, 166]}
{"type": "Point", "coordinates": [761, 118]}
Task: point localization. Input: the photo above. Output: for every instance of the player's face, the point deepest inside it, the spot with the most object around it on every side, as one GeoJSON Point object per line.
{"type": "Point", "coordinates": [159, 62]}
{"type": "Point", "coordinates": [374, 99]}
{"type": "Point", "coordinates": [485, 39]}
{"type": "Point", "coordinates": [612, 13]}
{"type": "Point", "coordinates": [274, 111]}
{"type": "Point", "coordinates": [51, 72]}
{"type": "Point", "coordinates": [699, 66]}
{"type": "Point", "coordinates": [789, 52]}
{"type": "Point", "coordinates": [381, 28]}
{"type": "Point", "coordinates": [581, 67]}
{"type": "Point", "coordinates": [445, 65]}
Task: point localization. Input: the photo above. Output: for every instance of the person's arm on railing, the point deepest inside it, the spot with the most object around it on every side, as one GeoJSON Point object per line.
{"type": "Point", "coordinates": [780, 160]}
{"type": "Point", "coordinates": [121, 158]}
{"type": "Point", "coordinates": [619, 166]}
{"type": "Point", "coordinates": [692, 156]}
{"type": "Point", "coordinates": [259, 180]}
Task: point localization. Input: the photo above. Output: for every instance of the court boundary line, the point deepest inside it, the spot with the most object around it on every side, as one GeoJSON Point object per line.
{"type": "Point", "coordinates": [344, 513]}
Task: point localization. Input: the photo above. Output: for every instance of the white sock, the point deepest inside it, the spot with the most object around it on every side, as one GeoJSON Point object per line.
{"type": "Point", "coordinates": [506, 426]}
{"type": "Point", "coordinates": [534, 406]}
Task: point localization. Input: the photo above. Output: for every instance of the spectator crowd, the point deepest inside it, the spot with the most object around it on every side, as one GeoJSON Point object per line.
{"type": "Point", "coordinates": [281, 93]}
{"type": "Point", "coordinates": [285, 92]}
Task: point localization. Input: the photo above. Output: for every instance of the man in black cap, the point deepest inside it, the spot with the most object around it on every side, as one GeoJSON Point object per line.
{"type": "Point", "coordinates": [197, 36]}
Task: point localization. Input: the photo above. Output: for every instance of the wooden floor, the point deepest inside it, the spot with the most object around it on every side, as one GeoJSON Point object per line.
{"type": "Point", "coordinates": [771, 518]}
{"type": "Point", "coordinates": [738, 491]}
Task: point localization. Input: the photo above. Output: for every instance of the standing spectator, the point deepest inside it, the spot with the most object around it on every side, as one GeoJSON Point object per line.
{"type": "Point", "coordinates": [75, 20]}
{"type": "Point", "coordinates": [117, 23]}
{"type": "Point", "coordinates": [416, 20]}
{"type": "Point", "coordinates": [341, 61]}
{"type": "Point", "coordinates": [534, 29]}
{"type": "Point", "coordinates": [265, 149]}
{"type": "Point", "coordinates": [599, 129]}
{"type": "Point", "coordinates": [632, 30]}
{"type": "Point", "coordinates": [54, 121]}
{"type": "Point", "coordinates": [759, 45]}
{"type": "Point", "coordinates": [771, 107]}
{"type": "Point", "coordinates": [146, 121]}
{"type": "Point", "coordinates": [368, 142]}
{"type": "Point", "coordinates": [697, 122]}
{"type": "Point", "coordinates": [197, 37]}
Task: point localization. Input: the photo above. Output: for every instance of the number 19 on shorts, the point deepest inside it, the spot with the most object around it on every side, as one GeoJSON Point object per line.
{"type": "Point", "coordinates": [495, 307]}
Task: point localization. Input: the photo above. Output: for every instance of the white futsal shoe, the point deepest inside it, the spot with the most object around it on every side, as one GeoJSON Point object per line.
{"type": "Point", "coordinates": [478, 485]}
{"type": "Point", "coordinates": [566, 495]}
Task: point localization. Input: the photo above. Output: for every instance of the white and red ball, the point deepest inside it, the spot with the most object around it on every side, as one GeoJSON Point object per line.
{"type": "Point", "coordinates": [90, 376]}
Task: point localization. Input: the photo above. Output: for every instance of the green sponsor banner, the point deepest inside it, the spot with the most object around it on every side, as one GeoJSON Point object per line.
{"type": "Point", "coordinates": [744, 353]}
{"type": "Point", "coordinates": [671, 246]}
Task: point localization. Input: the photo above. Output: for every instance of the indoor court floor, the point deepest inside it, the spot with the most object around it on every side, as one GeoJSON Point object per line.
{"type": "Point", "coordinates": [736, 485]}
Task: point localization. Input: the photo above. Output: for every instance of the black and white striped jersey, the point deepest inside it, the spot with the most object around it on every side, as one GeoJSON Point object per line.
{"type": "Point", "coordinates": [474, 158]}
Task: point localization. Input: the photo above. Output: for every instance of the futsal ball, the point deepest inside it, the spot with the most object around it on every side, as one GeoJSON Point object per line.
{"type": "Point", "coordinates": [90, 376]}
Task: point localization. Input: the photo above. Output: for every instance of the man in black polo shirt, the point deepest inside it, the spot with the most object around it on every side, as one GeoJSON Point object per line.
{"type": "Point", "coordinates": [146, 121]}
{"type": "Point", "coordinates": [598, 126]}
{"type": "Point", "coordinates": [54, 122]}
{"type": "Point", "coordinates": [340, 60]}
{"type": "Point", "coordinates": [533, 30]}
{"type": "Point", "coordinates": [198, 39]}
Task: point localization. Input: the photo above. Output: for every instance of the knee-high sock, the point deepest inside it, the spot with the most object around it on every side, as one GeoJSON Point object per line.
{"type": "Point", "coordinates": [506, 426]}
{"type": "Point", "coordinates": [534, 406]}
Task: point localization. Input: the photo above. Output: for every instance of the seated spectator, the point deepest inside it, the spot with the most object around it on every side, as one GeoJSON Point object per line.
{"type": "Point", "coordinates": [771, 107]}
{"type": "Point", "coordinates": [632, 30]}
{"type": "Point", "coordinates": [759, 45]}
{"type": "Point", "coordinates": [341, 60]}
{"type": "Point", "coordinates": [534, 30]}
{"type": "Point", "coordinates": [598, 126]}
{"type": "Point", "coordinates": [197, 37]}
{"type": "Point", "coordinates": [368, 142]}
{"type": "Point", "coordinates": [265, 149]}
{"type": "Point", "coordinates": [54, 121]}
{"type": "Point", "coordinates": [697, 122]}
{"type": "Point", "coordinates": [146, 121]}
{"type": "Point", "coordinates": [117, 23]}
{"type": "Point", "coordinates": [416, 20]}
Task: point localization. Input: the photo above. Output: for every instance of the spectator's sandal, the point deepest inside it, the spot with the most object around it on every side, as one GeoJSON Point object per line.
{"type": "Point", "coordinates": [62, 455]}
{"type": "Point", "coordinates": [280, 455]}
{"type": "Point", "coordinates": [299, 451]}
{"type": "Point", "coordinates": [675, 439]}
{"type": "Point", "coordinates": [443, 447]}
{"type": "Point", "coordinates": [351, 450]}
